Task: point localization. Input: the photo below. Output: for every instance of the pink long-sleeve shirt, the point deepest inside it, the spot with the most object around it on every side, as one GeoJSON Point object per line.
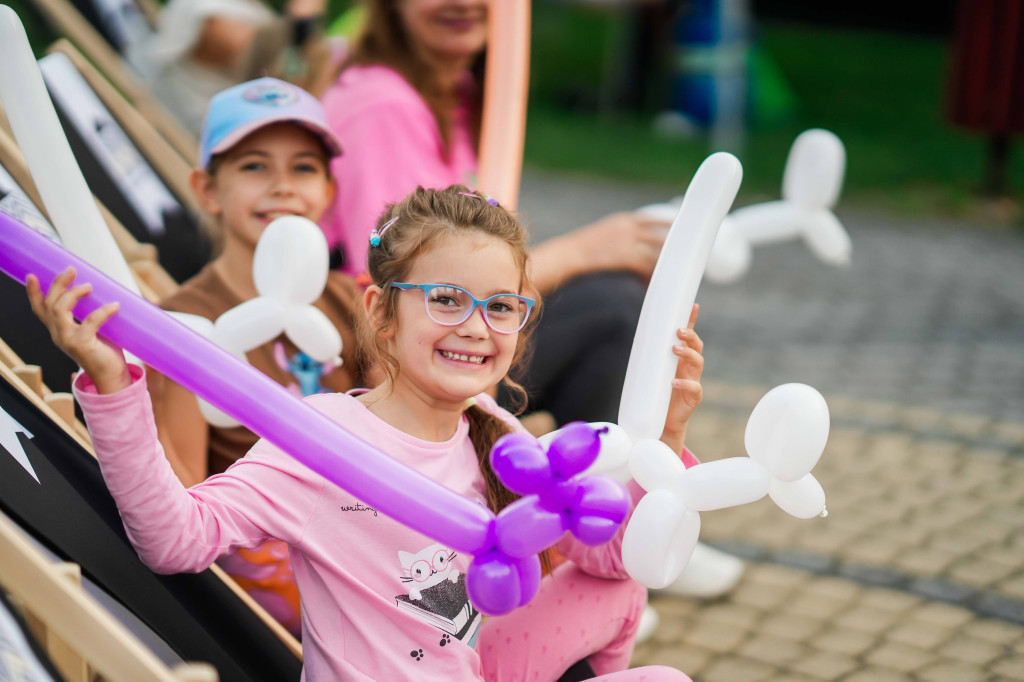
{"type": "Point", "coordinates": [391, 144]}
{"type": "Point", "coordinates": [378, 599]}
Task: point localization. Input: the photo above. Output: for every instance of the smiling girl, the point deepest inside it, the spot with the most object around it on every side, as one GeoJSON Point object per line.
{"type": "Point", "coordinates": [447, 317]}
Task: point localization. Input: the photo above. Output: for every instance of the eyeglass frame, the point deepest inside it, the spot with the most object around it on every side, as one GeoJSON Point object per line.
{"type": "Point", "coordinates": [477, 303]}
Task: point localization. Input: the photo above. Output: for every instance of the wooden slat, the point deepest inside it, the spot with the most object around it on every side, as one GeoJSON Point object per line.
{"type": "Point", "coordinates": [56, 599]}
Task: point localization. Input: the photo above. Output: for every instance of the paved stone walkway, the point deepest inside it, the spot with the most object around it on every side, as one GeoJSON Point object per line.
{"type": "Point", "coordinates": [918, 571]}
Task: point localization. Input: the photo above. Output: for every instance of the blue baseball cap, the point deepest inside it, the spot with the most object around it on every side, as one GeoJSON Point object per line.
{"type": "Point", "coordinates": [245, 108]}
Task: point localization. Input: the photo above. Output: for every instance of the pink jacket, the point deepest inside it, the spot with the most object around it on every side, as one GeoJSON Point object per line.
{"type": "Point", "coordinates": [391, 144]}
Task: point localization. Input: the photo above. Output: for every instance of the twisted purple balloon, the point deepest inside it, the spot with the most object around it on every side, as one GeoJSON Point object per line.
{"type": "Point", "coordinates": [555, 499]}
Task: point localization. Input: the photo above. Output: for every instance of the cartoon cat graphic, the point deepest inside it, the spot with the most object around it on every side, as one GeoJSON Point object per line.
{"type": "Point", "coordinates": [426, 568]}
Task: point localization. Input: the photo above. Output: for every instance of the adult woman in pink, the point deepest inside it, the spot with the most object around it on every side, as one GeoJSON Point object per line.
{"type": "Point", "coordinates": [406, 107]}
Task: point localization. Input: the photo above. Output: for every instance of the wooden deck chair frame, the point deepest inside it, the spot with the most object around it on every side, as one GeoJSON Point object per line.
{"type": "Point", "coordinates": [154, 282]}
{"type": "Point", "coordinates": [77, 633]}
{"type": "Point", "coordinates": [69, 22]}
{"type": "Point", "coordinates": [9, 373]}
{"type": "Point", "coordinates": [169, 165]}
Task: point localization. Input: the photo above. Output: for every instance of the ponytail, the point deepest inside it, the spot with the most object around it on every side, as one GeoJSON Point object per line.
{"type": "Point", "coordinates": [484, 431]}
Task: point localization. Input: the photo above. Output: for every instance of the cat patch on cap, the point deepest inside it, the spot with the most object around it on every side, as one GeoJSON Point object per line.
{"type": "Point", "coordinates": [270, 94]}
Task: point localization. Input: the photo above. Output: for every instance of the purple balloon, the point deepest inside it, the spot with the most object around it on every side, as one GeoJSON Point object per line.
{"type": "Point", "coordinates": [497, 583]}
{"type": "Point", "coordinates": [599, 510]}
{"type": "Point", "coordinates": [524, 528]}
{"type": "Point", "coordinates": [575, 448]}
{"type": "Point", "coordinates": [520, 462]}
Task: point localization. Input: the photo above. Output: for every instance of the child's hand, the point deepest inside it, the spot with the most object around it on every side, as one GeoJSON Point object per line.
{"type": "Point", "coordinates": [102, 361]}
{"type": "Point", "coordinates": [686, 388]}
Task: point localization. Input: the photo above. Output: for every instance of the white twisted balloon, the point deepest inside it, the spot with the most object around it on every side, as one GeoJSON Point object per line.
{"type": "Point", "coordinates": [671, 293]}
{"type": "Point", "coordinates": [290, 269]}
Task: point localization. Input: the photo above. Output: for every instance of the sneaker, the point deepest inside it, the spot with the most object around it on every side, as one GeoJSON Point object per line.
{"type": "Point", "coordinates": [711, 573]}
{"type": "Point", "coordinates": [649, 622]}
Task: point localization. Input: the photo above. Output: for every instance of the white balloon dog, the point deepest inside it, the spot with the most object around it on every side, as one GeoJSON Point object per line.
{"type": "Point", "coordinates": [290, 271]}
{"type": "Point", "coordinates": [811, 183]}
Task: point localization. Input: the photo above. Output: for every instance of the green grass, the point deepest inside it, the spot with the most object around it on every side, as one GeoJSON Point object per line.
{"type": "Point", "coordinates": [882, 94]}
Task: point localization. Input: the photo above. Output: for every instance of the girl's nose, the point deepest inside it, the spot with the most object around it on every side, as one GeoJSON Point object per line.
{"type": "Point", "coordinates": [475, 325]}
{"type": "Point", "coordinates": [282, 184]}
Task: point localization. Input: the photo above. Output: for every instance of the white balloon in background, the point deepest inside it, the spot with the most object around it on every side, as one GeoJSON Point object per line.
{"type": "Point", "coordinates": [671, 293]}
{"type": "Point", "coordinates": [811, 183]}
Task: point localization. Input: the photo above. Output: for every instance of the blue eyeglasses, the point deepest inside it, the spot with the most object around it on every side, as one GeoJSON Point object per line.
{"type": "Point", "coordinates": [450, 305]}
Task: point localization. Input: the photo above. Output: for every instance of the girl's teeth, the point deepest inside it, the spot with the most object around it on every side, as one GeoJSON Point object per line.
{"type": "Point", "coordinates": [465, 358]}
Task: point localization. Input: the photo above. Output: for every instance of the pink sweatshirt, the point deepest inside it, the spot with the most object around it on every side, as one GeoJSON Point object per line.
{"type": "Point", "coordinates": [391, 145]}
{"type": "Point", "coordinates": [379, 601]}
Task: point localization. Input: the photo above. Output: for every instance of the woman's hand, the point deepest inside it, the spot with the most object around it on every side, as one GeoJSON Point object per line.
{"type": "Point", "coordinates": [619, 242]}
{"type": "Point", "coordinates": [686, 388]}
{"type": "Point", "coordinates": [101, 360]}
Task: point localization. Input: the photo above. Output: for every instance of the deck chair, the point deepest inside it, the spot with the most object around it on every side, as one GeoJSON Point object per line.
{"type": "Point", "coordinates": [170, 165]}
{"type": "Point", "coordinates": [50, 485]}
{"type": "Point", "coordinates": [121, 176]}
{"type": "Point", "coordinates": [54, 629]}
{"type": "Point", "coordinates": [68, 22]}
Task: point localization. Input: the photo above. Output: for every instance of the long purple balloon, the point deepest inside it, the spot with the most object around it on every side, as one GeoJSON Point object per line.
{"type": "Point", "coordinates": [254, 399]}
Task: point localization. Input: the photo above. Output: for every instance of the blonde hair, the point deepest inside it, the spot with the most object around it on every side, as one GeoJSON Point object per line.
{"type": "Point", "coordinates": [410, 228]}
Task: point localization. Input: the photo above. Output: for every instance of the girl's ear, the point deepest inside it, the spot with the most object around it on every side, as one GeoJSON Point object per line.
{"type": "Point", "coordinates": [204, 190]}
{"type": "Point", "coordinates": [332, 189]}
{"type": "Point", "coordinates": [373, 300]}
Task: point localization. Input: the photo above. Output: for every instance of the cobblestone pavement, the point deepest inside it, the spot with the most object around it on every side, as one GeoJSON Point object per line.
{"type": "Point", "coordinates": [918, 571]}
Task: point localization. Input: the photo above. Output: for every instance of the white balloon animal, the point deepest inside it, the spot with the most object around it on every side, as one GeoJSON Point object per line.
{"type": "Point", "coordinates": [290, 271]}
{"type": "Point", "coordinates": [811, 183]}
{"type": "Point", "coordinates": [785, 436]}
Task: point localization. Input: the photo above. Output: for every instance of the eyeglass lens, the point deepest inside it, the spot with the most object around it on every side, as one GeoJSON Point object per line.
{"type": "Point", "coordinates": [451, 306]}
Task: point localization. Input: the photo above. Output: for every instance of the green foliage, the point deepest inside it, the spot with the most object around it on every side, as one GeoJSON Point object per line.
{"type": "Point", "coordinates": [882, 94]}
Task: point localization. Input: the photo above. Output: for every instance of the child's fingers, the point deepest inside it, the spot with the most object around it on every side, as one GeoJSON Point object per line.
{"type": "Point", "coordinates": [59, 284]}
{"type": "Point", "coordinates": [691, 362]}
{"type": "Point", "coordinates": [693, 315]}
{"type": "Point", "coordinates": [35, 294]}
{"type": "Point", "coordinates": [690, 391]}
{"type": "Point", "coordinates": [70, 298]}
{"type": "Point", "coordinates": [94, 320]}
{"type": "Point", "coordinates": [691, 339]}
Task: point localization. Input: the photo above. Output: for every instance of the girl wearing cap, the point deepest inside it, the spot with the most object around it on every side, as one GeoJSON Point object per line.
{"type": "Point", "coordinates": [264, 152]}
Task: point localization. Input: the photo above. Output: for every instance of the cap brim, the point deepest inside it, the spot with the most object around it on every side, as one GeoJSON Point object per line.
{"type": "Point", "coordinates": [316, 127]}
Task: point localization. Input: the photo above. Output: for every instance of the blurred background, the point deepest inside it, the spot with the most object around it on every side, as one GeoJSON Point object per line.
{"type": "Point", "coordinates": [642, 90]}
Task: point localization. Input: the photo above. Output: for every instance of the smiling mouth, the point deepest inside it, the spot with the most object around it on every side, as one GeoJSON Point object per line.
{"type": "Point", "coordinates": [271, 216]}
{"type": "Point", "coordinates": [463, 357]}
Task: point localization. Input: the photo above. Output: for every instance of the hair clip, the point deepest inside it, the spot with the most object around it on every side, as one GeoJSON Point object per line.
{"type": "Point", "coordinates": [377, 233]}
{"type": "Point", "coordinates": [489, 200]}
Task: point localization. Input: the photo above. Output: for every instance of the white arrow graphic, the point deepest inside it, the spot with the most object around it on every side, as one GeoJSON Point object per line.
{"type": "Point", "coordinates": [9, 430]}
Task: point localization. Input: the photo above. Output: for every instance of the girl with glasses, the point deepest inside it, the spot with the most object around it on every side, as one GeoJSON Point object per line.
{"type": "Point", "coordinates": [447, 315]}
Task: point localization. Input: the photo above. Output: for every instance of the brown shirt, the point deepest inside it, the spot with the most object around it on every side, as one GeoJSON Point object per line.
{"type": "Point", "coordinates": [208, 295]}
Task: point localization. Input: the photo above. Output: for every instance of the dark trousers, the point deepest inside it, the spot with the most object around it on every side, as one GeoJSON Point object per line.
{"type": "Point", "coordinates": [581, 348]}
